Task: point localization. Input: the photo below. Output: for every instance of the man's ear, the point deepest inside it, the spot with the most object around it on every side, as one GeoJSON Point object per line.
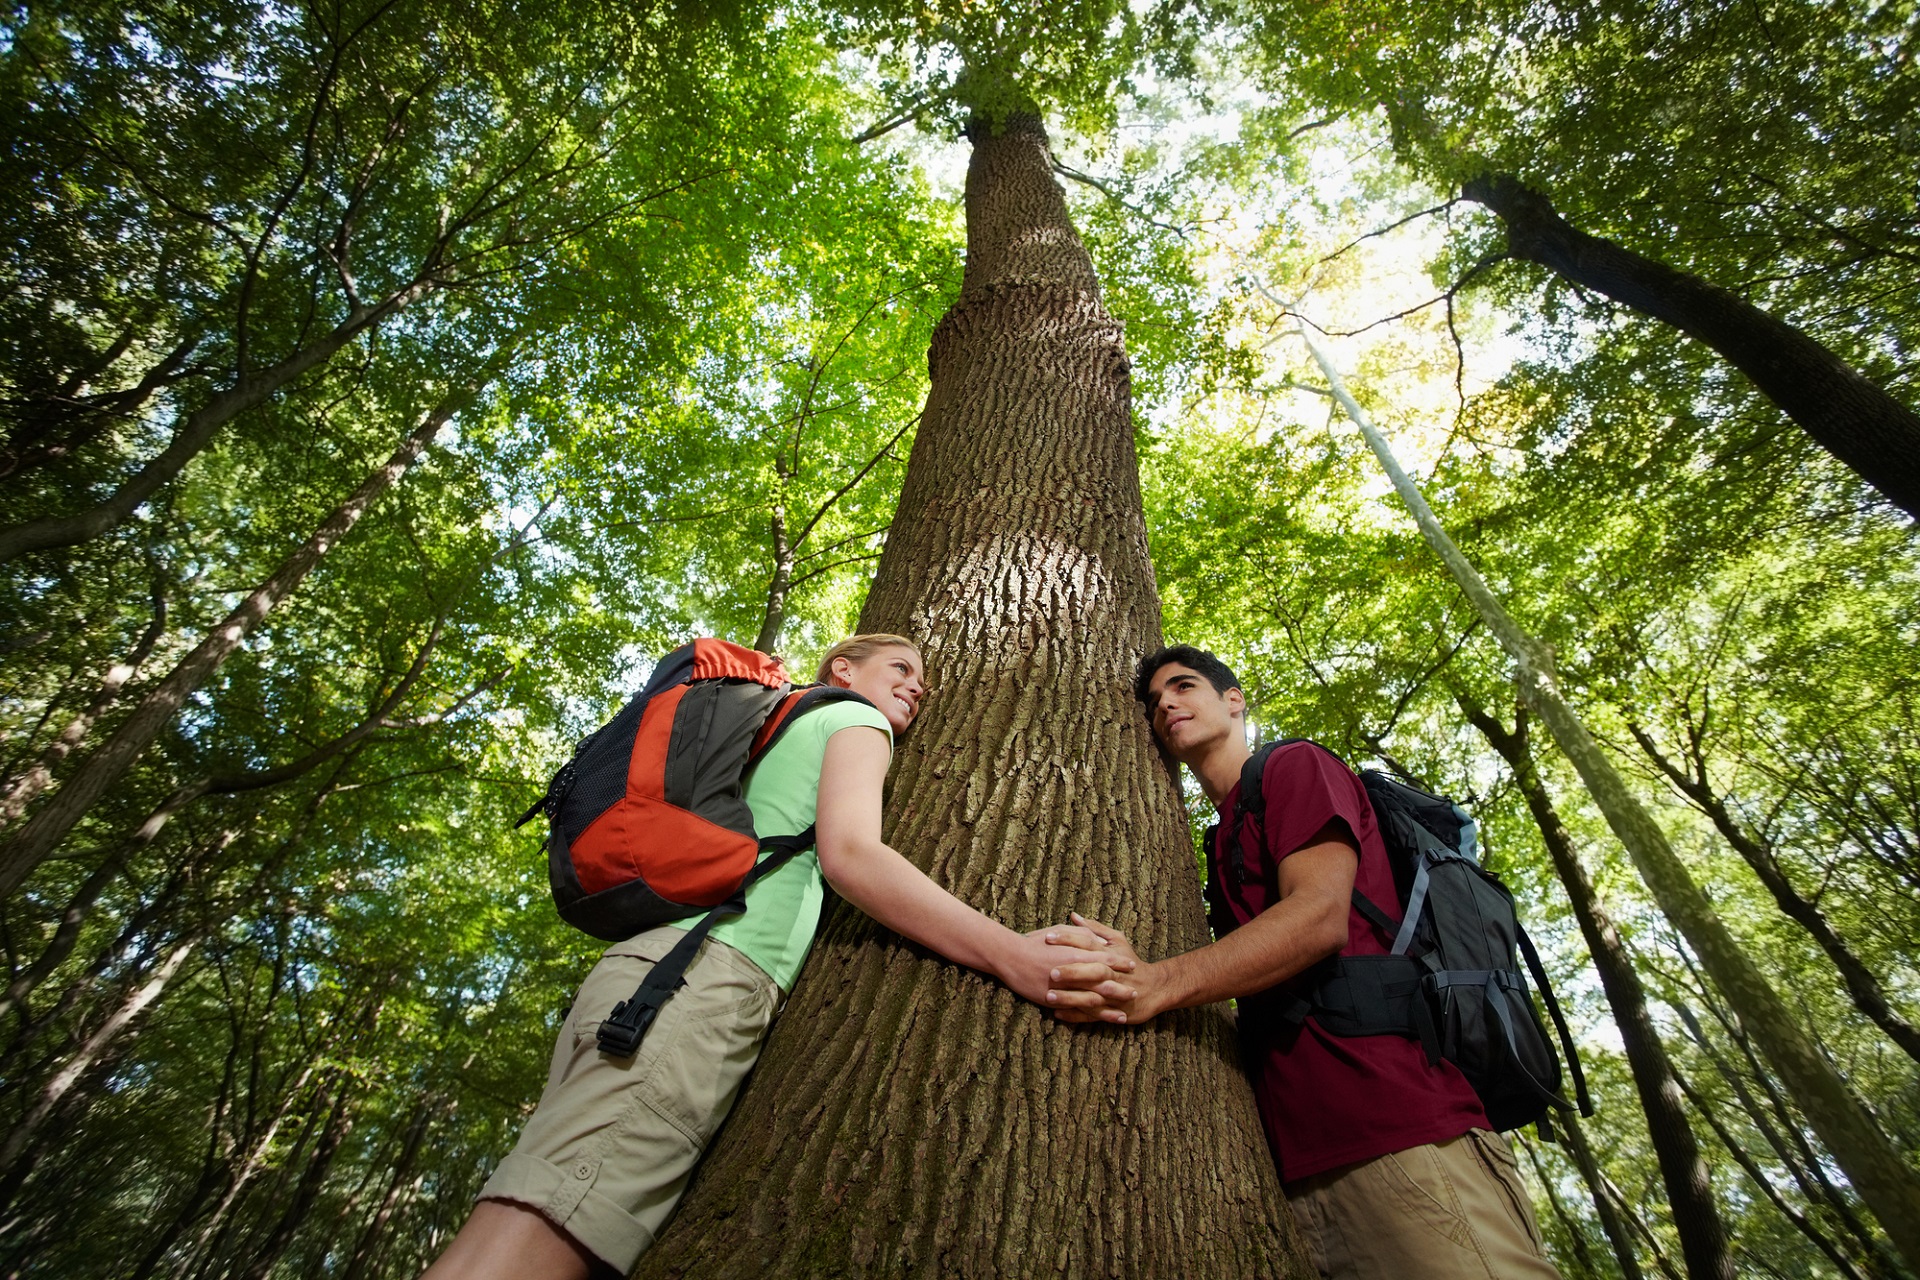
{"type": "Point", "coordinates": [1236, 703]}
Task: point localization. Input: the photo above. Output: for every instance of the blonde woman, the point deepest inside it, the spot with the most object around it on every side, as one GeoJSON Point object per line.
{"type": "Point", "coordinates": [604, 1157]}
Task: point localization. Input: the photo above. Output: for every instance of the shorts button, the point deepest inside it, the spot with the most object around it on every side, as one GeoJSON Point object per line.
{"type": "Point", "coordinates": [583, 1170]}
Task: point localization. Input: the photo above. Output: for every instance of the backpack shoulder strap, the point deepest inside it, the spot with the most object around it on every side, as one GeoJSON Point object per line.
{"type": "Point", "coordinates": [1248, 806]}
{"type": "Point", "coordinates": [790, 708]}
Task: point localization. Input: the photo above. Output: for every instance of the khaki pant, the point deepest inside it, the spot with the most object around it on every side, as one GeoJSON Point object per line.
{"type": "Point", "coordinates": [609, 1149]}
{"type": "Point", "coordinates": [1444, 1211]}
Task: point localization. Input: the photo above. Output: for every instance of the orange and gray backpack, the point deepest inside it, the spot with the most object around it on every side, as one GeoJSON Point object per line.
{"type": "Point", "coordinates": [647, 823]}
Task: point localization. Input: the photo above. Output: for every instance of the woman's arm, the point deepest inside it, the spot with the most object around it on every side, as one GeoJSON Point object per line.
{"type": "Point", "coordinates": [874, 878]}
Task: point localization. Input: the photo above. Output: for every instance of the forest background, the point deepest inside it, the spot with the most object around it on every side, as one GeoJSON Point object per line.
{"type": "Point", "coordinates": [385, 380]}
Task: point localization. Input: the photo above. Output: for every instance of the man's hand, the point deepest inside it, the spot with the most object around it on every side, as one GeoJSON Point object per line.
{"type": "Point", "coordinates": [1065, 968]}
{"type": "Point", "coordinates": [1140, 999]}
{"type": "Point", "coordinates": [1308, 924]}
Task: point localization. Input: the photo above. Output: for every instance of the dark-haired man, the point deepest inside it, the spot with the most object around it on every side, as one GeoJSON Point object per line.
{"type": "Point", "coordinates": [1387, 1159]}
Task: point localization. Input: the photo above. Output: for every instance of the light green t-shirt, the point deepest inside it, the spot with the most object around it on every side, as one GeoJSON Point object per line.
{"type": "Point", "coordinates": [783, 790]}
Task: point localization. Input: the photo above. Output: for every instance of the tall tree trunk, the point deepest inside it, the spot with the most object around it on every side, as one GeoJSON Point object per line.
{"type": "Point", "coordinates": [313, 1176]}
{"type": "Point", "coordinates": [910, 1118]}
{"type": "Point", "coordinates": [1785, 1134]}
{"type": "Point", "coordinates": [90, 1050]}
{"type": "Point", "coordinates": [366, 1250]}
{"type": "Point", "coordinates": [99, 772]}
{"type": "Point", "coordinates": [1848, 416]}
{"type": "Point", "coordinates": [22, 791]}
{"type": "Point", "coordinates": [1764, 1184]}
{"type": "Point", "coordinates": [1878, 1170]}
{"type": "Point", "coordinates": [1863, 986]}
{"type": "Point", "coordinates": [1619, 1238]}
{"type": "Point", "coordinates": [1696, 1215]}
{"type": "Point", "coordinates": [197, 430]}
{"type": "Point", "coordinates": [774, 620]}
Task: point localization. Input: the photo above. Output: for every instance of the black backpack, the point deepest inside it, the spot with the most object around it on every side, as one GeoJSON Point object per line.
{"type": "Point", "coordinates": [1450, 979]}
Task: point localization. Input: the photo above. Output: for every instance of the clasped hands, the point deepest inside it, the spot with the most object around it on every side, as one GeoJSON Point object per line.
{"type": "Point", "coordinates": [1081, 991]}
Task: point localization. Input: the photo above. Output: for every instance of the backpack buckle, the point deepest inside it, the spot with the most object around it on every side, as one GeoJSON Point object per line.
{"type": "Point", "coordinates": [620, 1035]}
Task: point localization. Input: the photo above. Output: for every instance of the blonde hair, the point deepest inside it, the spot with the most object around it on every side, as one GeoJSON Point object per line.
{"type": "Point", "coordinates": [860, 648]}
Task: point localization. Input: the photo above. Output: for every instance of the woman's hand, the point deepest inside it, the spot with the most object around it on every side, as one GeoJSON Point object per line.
{"type": "Point", "coordinates": [1130, 1003]}
{"type": "Point", "coordinates": [1064, 969]}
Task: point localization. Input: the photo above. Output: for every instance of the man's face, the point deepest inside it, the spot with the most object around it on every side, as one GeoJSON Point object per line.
{"type": "Point", "coordinates": [1189, 715]}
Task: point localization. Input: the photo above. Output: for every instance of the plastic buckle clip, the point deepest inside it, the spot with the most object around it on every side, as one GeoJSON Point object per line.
{"type": "Point", "coordinates": [620, 1035]}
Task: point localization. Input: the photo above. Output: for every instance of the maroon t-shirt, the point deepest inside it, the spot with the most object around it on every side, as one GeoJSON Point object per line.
{"type": "Point", "coordinates": [1330, 1100]}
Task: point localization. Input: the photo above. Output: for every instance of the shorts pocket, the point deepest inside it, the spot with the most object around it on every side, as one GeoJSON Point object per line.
{"type": "Point", "coordinates": [1418, 1181]}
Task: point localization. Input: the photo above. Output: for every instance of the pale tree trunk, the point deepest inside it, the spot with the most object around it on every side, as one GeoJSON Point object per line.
{"type": "Point", "coordinates": [1696, 1215]}
{"type": "Point", "coordinates": [1848, 416]}
{"type": "Point", "coordinates": [109, 763]}
{"type": "Point", "coordinates": [90, 1050]}
{"type": "Point", "coordinates": [911, 1118]}
{"type": "Point", "coordinates": [1863, 986]}
{"type": "Point", "coordinates": [1887, 1183]}
{"type": "Point", "coordinates": [22, 791]}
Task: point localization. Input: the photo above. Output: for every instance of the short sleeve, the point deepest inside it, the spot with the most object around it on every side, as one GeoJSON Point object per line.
{"type": "Point", "coordinates": [1305, 788]}
{"type": "Point", "coordinates": [836, 716]}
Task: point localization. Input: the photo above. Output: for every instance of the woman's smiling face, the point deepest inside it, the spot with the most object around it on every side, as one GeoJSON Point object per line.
{"type": "Point", "coordinates": [889, 678]}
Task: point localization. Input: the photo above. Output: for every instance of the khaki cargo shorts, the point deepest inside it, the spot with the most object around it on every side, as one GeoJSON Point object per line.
{"type": "Point", "coordinates": [1453, 1210]}
{"type": "Point", "coordinates": [613, 1141]}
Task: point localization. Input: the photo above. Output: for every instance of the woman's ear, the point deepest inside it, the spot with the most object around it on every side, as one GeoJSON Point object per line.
{"type": "Point", "coordinates": [840, 673]}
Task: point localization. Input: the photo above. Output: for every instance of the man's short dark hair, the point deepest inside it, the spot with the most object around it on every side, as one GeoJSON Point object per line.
{"type": "Point", "coordinates": [1217, 672]}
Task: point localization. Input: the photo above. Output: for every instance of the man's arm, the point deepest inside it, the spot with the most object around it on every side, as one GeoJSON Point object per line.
{"type": "Point", "coordinates": [873, 877]}
{"type": "Point", "coordinates": [1307, 924]}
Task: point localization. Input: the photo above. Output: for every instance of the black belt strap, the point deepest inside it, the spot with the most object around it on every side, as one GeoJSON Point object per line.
{"type": "Point", "coordinates": [621, 1032]}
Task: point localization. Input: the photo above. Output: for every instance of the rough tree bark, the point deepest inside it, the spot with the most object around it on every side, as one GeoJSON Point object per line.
{"type": "Point", "coordinates": [911, 1118]}
{"type": "Point", "coordinates": [1848, 416]}
{"type": "Point", "coordinates": [1879, 1171]}
{"type": "Point", "coordinates": [1696, 1215]}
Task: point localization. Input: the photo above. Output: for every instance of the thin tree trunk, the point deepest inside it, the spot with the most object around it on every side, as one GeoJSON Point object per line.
{"type": "Point", "coordinates": [1802, 1223]}
{"type": "Point", "coordinates": [1576, 1234]}
{"type": "Point", "coordinates": [1863, 987]}
{"type": "Point", "coordinates": [1880, 1172]}
{"type": "Point", "coordinates": [775, 618]}
{"type": "Point", "coordinates": [312, 1177]}
{"type": "Point", "coordinates": [33, 780]}
{"type": "Point", "coordinates": [43, 832]}
{"type": "Point", "coordinates": [1611, 1222]}
{"type": "Point", "coordinates": [196, 433]}
{"type": "Point", "coordinates": [67, 933]}
{"type": "Point", "coordinates": [913, 1119]}
{"type": "Point", "coordinates": [250, 1168]}
{"type": "Point", "coordinates": [1848, 416]}
{"type": "Point", "coordinates": [367, 1248]}
{"type": "Point", "coordinates": [90, 1050]}
{"type": "Point", "coordinates": [1789, 1141]}
{"type": "Point", "coordinates": [1703, 1235]}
